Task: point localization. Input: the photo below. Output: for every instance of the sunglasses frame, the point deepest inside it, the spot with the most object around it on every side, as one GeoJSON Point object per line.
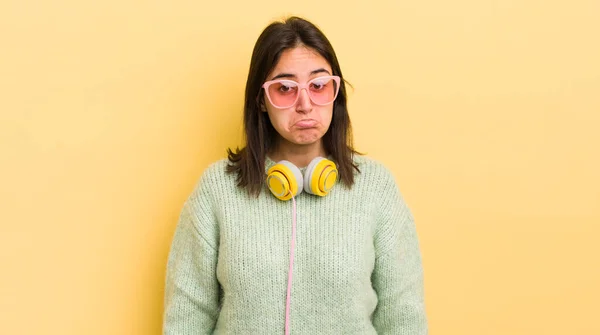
{"type": "Point", "coordinates": [266, 85]}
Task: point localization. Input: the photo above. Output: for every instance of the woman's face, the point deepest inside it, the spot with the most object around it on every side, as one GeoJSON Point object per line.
{"type": "Point", "coordinates": [304, 123]}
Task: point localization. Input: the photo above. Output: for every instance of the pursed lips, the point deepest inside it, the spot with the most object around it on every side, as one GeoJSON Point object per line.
{"type": "Point", "coordinates": [306, 123]}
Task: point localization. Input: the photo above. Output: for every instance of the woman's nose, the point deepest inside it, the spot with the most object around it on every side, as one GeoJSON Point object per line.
{"type": "Point", "coordinates": [304, 103]}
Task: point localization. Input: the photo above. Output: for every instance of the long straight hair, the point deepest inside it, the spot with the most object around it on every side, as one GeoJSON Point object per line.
{"type": "Point", "coordinates": [260, 135]}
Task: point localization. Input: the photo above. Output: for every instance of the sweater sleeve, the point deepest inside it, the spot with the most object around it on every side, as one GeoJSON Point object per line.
{"type": "Point", "coordinates": [398, 274]}
{"type": "Point", "coordinates": [192, 289]}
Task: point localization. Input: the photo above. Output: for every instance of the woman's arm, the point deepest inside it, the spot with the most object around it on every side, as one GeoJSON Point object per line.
{"type": "Point", "coordinates": [398, 274]}
{"type": "Point", "coordinates": [192, 289]}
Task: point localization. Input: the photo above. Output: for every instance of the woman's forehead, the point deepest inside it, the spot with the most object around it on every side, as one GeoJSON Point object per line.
{"type": "Point", "coordinates": [300, 62]}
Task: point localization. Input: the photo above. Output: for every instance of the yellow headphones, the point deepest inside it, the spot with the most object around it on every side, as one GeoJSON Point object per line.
{"type": "Point", "coordinates": [285, 180]}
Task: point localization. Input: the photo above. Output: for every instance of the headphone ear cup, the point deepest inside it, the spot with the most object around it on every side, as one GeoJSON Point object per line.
{"type": "Point", "coordinates": [320, 176]}
{"type": "Point", "coordinates": [285, 180]}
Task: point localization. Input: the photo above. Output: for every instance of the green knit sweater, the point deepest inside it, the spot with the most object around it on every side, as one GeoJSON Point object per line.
{"type": "Point", "coordinates": [357, 267]}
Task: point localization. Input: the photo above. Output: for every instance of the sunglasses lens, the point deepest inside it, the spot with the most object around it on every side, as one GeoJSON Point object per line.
{"type": "Point", "coordinates": [322, 91]}
{"type": "Point", "coordinates": [283, 93]}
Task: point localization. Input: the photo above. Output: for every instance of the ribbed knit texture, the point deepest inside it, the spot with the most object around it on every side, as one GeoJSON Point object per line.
{"type": "Point", "coordinates": [357, 267]}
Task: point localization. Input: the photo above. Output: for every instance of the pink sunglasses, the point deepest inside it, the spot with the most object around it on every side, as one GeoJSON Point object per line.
{"type": "Point", "coordinates": [284, 93]}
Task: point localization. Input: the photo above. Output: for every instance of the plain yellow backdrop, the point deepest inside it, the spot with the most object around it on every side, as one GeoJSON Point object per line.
{"type": "Point", "coordinates": [487, 112]}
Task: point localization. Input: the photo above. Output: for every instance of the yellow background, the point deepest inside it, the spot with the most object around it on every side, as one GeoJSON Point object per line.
{"type": "Point", "coordinates": [487, 112]}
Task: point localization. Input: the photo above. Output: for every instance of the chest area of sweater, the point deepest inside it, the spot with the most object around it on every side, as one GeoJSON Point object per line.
{"type": "Point", "coordinates": [334, 240]}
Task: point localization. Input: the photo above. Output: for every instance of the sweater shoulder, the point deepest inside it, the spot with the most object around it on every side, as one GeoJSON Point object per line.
{"type": "Point", "coordinates": [216, 169]}
{"type": "Point", "coordinates": [216, 173]}
{"type": "Point", "coordinates": [214, 180]}
{"type": "Point", "coordinates": [373, 170]}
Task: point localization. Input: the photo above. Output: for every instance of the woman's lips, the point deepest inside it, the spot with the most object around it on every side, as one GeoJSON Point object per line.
{"type": "Point", "coordinates": [303, 124]}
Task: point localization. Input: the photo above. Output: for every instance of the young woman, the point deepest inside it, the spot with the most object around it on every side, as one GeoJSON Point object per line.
{"type": "Point", "coordinates": [296, 232]}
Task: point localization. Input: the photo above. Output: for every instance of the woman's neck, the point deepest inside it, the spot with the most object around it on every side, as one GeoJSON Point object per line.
{"type": "Point", "coordinates": [299, 155]}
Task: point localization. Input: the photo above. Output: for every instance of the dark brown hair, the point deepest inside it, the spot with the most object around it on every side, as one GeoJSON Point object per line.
{"type": "Point", "coordinates": [259, 133]}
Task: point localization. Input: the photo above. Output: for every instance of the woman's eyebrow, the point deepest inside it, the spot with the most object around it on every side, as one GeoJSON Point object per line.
{"type": "Point", "coordinates": [284, 75]}
{"type": "Point", "coordinates": [319, 71]}
{"type": "Point", "coordinates": [289, 75]}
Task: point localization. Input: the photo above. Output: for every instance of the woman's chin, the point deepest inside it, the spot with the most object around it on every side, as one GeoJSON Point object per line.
{"type": "Point", "coordinates": [307, 140]}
